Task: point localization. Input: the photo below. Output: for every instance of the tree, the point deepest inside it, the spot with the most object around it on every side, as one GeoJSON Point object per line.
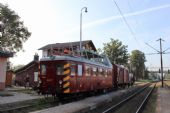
{"type": "Point", "coordinates": [99, 51]}
{"type": "Point", "coordinates": [146, 74]}
{"type": "Point", "coordinates": [116, 52]}
{"type": "Point", "coordinates": [137, 60]}
{"type": "Point", "coordinates": [12, 30]}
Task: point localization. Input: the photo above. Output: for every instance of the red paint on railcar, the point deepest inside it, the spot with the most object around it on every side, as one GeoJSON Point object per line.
{"type": "Point", "coordinates": [68, 75]}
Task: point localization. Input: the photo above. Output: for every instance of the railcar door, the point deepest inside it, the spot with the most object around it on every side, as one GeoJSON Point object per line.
{"type": "Point", "coordinates": [87, 78]}
{"type": "Point", "coordinates": [46, 75]}
{"type": "Point", "coordinates": [62, 77]}
{"type": "Point", "coordinates": [73, 78]}
{"type": "Point", "coordinates": [79, 78]}
{"type": "Point", "coordinates": [50, 77]}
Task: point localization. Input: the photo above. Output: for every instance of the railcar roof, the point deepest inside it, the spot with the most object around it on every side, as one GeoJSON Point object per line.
{"type": "Point", "coordinates": [78, 59]}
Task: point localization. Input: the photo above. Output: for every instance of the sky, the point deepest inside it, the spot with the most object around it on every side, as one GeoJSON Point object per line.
{"type": "Point", "coordinates": [57, 21]}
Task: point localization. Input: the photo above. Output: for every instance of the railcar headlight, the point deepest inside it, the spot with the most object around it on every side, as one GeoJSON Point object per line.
{"type": "Point", "coordinates": [60, 82]}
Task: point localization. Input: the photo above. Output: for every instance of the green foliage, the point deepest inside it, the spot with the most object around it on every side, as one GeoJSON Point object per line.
{"type": "Point", "coordinates": [99, 51]}
{"type": "Point", "coordinates": [137, 60]}
{"type": "Point", "coordinates": [12, 30]}
{"type": "Point", "coordinates": [146, 74]}
{"type": "Point", "coordinates": [116, 51]}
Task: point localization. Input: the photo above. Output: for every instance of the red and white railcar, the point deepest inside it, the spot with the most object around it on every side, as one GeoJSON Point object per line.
{"type": "Point", "coordinates": [67, 74]}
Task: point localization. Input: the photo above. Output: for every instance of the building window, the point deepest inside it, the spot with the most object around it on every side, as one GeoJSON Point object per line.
{"type": "Point", "coordinates": [59, 69]}
{"type": "Point", "coordinates": [73, 69]}
{"type": "Point", "coordinates": [87, 70]}
{"type": "Point", "coordinates": [43, 69]}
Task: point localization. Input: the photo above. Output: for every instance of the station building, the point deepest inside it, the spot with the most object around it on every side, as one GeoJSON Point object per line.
{"type": "Point", "coordinates": [31, 69]}
{"type": "Point", "coordinates": [4, 55]}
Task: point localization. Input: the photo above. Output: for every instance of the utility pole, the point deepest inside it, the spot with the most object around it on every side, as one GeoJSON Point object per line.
{"type": "Point", "coordinates": [160, 52]}
{"type": "Point", "coordinates": [160, 40]}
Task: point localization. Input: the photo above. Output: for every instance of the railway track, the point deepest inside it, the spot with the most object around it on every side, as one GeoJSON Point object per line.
{"type": "Point", "coordinates": [132, 104]}
{"type": "Point", "coordinates": [26, 106]}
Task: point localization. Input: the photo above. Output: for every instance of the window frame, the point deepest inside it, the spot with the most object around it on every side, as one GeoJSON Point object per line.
{"type": "Point", "coordinates": [95, 71]}
{"type": "Point", "coordinates": [79, 70]}
{"type": "Point", "coordinates": [73, 66]}
{"type": "Point", "coordinates": [61, 70]}
{"type": "Point", "coordinates": [43, 70]}
{"type": "Point", "coordinates": [87, 70]}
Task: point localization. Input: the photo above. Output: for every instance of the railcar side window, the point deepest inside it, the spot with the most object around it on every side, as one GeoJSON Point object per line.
{"type": "Point", "coordinates": [109, 73]}
{"type": "Point", "coordinates": [94, 71]}
{"type": "Point", "coordinates": [100, 72]}
{"type": "Point", "coordinates": [43, 69]}
{"type": "Point", "coordinates": [80, 70]}
{"type": "Point", "coordinates": [105, 72]}
{"type": "Point", "coordinates": [87, 70]}
{"type": "Point", "coordinates": [59, 69]}
{"type": "Point", "coordinates": [73, 69]}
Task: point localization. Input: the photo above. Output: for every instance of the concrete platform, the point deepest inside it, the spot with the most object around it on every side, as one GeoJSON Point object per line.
{"type": "Point", "coordinates": [163, 100]}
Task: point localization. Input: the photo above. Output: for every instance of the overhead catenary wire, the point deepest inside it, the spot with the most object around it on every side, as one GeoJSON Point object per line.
{"type": "Point", "coordinates": [131, 9]}
{"type": "Point", "coordinates": [152, 47]}
{"type": "Point", "coordinates": [127, 24]}
{"type": "Point", "coordinates": [151, 53]}
{"type": "Point", "coordinates": [166, 49]}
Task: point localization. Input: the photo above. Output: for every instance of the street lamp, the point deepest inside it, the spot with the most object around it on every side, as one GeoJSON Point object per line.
{"type": "Point", "coordinates": [85, 10]}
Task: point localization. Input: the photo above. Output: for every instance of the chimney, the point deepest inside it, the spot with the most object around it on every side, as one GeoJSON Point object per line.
{"type": "Point", "coordinates": [36, 57]}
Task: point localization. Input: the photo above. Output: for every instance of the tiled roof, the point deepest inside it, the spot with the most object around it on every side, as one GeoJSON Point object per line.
{"type": "Point", "coordinates": [26, 66]}
{"type": "Point", "coordinates": [6, 54]}
{"type": "Point", "coordinates": [68, 44]}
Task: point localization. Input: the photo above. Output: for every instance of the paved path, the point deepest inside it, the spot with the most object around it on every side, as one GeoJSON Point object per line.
{"type": "Point", "coordinates": [15, 96]}
{"type": "Point", "coordinates": [163, 102]}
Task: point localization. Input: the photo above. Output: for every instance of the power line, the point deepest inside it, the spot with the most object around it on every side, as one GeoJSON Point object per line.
{"type": "Point", "coordinates": [152, 47]}
{"type": "Point", "coordinates": [166, 53]}
{"type": "Point", "coordinates": [166, 49]}
{"type": "Point", "coordinates": [131, 9]}
{"type": "Point", "coordinates": [130, 29]}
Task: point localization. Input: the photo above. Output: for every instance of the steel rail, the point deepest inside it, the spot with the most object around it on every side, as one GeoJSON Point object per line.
{"type": "Point", "coordinates": [125, 100]}
{"type": "Point", "coordinates": [145, 100]}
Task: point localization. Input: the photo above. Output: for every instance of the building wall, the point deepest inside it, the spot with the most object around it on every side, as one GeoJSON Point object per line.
{"type": "Point", "coordinates": [3, 62]}
{"type": "Point", "coordinates": [9, 76]}
{"type": "Point", "coordinates": [20, 77]}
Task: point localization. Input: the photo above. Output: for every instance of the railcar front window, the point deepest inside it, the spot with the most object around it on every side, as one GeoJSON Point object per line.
{"type": "Point", "coordinates": [59, 69]}
{"type": "Point", "coordinates": [43, 69]}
